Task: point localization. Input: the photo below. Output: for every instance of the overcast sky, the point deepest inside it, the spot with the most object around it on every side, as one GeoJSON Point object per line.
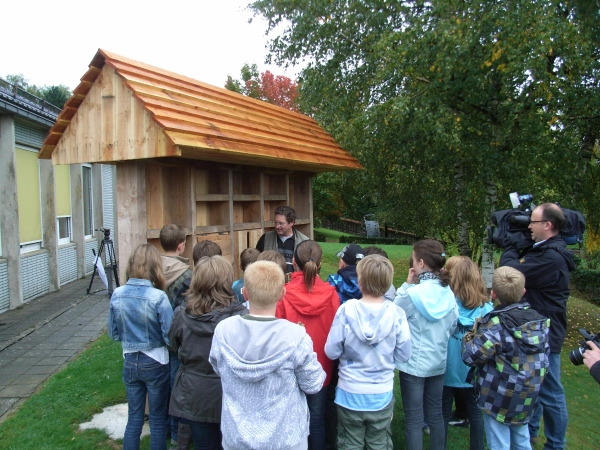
{"type": "Point", "coordinates": [53, 42]}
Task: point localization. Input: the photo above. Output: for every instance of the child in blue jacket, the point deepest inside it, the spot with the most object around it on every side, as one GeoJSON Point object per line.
{"type": "Point", "coordinates": [345, 281]}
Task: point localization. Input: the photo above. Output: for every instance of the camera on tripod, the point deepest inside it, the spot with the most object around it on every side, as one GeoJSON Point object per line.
{"type": "Point", "coordinates": [511, 226]}
{"type": "Point", "coordinates": [111, 262]}
{"type": "Point", "coordinates": [106, 232]}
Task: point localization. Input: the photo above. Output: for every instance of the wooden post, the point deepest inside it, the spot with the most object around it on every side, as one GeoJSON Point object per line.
{"type": "Point", "coordinates": [310, 208]}
{"type": "Point", "coordinates": [49, 237]}
{"type": "Point", "coordinates": [77, 217]}
{"type": "Point", "coordinates": [131, 210]}
{"type": "Point", "coordinates": [9, 212]}
{"type": "Point", "coordinates": [231, 218]}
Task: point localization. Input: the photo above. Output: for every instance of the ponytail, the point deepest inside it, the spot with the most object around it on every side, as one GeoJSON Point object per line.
{"type": "Point", "coordinates": [308, 256]}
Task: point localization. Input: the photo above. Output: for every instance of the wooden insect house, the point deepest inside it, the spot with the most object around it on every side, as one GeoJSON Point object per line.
{"type": "Point", "coordinates": [211, 160]}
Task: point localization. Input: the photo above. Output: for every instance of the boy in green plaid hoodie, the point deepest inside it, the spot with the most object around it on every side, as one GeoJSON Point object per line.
{"type": "Point", "coordinates": [509, 349]}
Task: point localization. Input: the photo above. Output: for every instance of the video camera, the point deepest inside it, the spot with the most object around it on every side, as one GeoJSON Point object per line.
{"type": "Point", "coordinates": [510, 226]}
{"type": "Point", "coordinates": [106, 232]}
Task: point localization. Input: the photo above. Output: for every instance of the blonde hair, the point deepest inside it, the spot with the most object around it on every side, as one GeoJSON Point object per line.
{"type": "Point", "coordinates": [263, 282]}
{"type": "Point", "coordinates": [210, 287]}
{"type": "Point", "coordinates": [273, 256]}
{"type": "Point", "coordinates": [307, 257]}
{"type": "Point", "coordinates": [145, 263]}
{"type": "Point", "coordinates": [375, 275]}
{"type": "Point", "coordinates": [466, 282]}
{"type": "Point", "coordinates": [508, 284]}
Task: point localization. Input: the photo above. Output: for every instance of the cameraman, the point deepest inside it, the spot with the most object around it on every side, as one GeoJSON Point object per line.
{"type": "Point", "coordinates": [591, 359]}
{"type": "Point", "coordinates": [546, 267]}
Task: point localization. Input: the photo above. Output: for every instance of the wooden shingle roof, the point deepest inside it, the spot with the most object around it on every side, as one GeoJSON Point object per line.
{"type": "Point", "coordinates": [124, 110]}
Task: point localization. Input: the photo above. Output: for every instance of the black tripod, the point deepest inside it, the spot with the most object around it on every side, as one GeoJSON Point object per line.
{"type": "Point", "coordinates": [112, 267]}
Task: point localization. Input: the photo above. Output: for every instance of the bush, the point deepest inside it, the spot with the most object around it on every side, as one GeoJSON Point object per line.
{"type": "Point", "coordinates": [319, 237]}
{"type": "Point", "coordinates": [376, 241]}
{"type": "Point", "coordinates": [588, 282]}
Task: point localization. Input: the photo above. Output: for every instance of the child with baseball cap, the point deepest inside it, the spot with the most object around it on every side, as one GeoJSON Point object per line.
{"type": "Point", "coordinates": [346, 279]}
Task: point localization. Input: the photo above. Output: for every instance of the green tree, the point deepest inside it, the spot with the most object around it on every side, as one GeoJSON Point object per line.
{"type": "Point", "coordinates": [56, 95]}
{"type": "Point", "coordinates": [451, 104]}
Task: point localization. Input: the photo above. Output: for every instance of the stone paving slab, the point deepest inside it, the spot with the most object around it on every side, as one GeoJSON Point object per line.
{"type": "Point", "coordinates": [39, 338]}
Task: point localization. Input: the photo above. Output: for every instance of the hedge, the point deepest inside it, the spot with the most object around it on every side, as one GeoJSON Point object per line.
{"type": "Point", "coordinates": [376, 241]}
{"type": "Point", "coordinates": [588, 282]}
{"type": "Point", "coordinates": [319, 237]}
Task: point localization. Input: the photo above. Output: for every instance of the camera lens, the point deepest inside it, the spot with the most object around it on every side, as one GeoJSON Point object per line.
{"type": "Point", "coordinates": [576, 356]}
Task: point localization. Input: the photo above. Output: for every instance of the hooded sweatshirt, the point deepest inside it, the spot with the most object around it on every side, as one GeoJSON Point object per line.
{"type": "Point", "coordinates": [431, 312]}
{"type": "Point", "coordinates": [197, 393]}
{"type": "Point", "coordinates": [314, 310]}
{"type": "Point", "coordinates": [510, 350]}
{"type": "Point", "coordinates": [368, 338]}
{"type": "Point", "coordinates": [175, 270]}
{"type": "Point", "coordinates": [345, 282]}
{"type": "Point", "coordinates": [266, 367]}
{"type": "Point", "coordinates": [456, 369]}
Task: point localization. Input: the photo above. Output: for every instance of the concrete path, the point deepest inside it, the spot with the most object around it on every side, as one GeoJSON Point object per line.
{"type": "Point", "coordinates": [42, 336]}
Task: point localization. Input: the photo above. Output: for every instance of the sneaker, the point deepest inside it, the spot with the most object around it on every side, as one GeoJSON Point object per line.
{"type": "Point", "coordinates": [426, 430]}
{"type": "Point", "coordinates": [459, 423]}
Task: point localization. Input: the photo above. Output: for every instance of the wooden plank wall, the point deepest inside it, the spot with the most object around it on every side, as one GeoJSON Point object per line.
{"type": "Point", "coordinates": [131, 210]}
{"type": "Point", "coordinates": [230, 207]}
{"type": "Point", "coordinates": [111, 125]}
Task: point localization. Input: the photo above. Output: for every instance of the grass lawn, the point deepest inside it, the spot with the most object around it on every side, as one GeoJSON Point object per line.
{"type": "Point", "coordinates": [50, 418]}
{"type": "Point", "coordinates": [331, 235]}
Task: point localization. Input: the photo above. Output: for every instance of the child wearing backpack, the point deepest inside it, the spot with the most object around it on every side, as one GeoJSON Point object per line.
{"type": "Point", "coordinates": [510, 351]}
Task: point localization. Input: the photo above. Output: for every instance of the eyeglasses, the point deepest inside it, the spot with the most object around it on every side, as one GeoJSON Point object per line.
{"type": "Point", "coordinates": [538, 221]}
{"type": "Point", "coordinates": [281, 224]}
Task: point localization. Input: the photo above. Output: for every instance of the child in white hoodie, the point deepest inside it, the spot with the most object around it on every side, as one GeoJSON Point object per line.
{"type": "Point", "coordinates": [368, 335]}
{"type": "Point", "coordinates": [266, 365]}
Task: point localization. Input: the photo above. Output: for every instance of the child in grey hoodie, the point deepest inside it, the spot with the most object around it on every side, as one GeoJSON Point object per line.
{"type": "Point", "coordinates": [266, 365]}
{"type": "Point", "coordinates": [368, 335]}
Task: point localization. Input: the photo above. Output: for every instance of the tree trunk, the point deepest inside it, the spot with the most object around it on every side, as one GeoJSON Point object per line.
{"type": "Point", "coordinates": [487, 249]}
{"type": "Point", "coordinates": [464, 247]}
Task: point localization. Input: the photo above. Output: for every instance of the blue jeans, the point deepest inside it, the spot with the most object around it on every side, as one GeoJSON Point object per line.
{"type": "Point", "coordinates": [423, 394]}
{"type": "Point", "coordinates": [502, 436]}
{"type": "Point", "coordinates": [172, 421]}
{"type": "Point", "coordinates": [554, 406]}
{"type": "Point", "coordinates": [316, 408]}
{"type": "Point", "coordinates": [206, 435]}
{"type": "Point", "coordinates": [142, 375]}
{"type": "Point", "coordinates": [474, 415]}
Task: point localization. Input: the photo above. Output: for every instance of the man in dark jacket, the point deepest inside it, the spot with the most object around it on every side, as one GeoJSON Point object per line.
{"type": "Point", "coordinates": [284, 238]}
{"type": "Point", "coordinates": [546, 267]}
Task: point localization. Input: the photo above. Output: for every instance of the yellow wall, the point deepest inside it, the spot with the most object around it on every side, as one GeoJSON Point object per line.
{"type": "Point", "coordinates": [62, 192]}
{"type": "Point", "coordinates": [28, 193]}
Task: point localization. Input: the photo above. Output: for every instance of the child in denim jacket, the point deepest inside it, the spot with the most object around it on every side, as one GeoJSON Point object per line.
{"type": "Point", "coordinates": [139, 317]}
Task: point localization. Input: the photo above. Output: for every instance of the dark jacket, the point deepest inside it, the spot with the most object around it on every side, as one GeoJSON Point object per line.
{"type": "Point", "coordinates": [180, 295]}
{"type": "Point", "coordinates": [345, 282]}
{"type": "Point", "coordinates": [270, 241]}
{"type": "Point", "coordinates": [197, 391]}
{"type": "Point", "coordinates": [546, 269]}
{"type": "Point", "coordinates": [511, 353]}
{"type": "Point", "coordinates": [595, 371]}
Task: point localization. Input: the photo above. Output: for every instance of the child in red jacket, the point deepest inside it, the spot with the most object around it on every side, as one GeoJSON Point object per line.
{"type": "Point", "coordinates": [311, 302]}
